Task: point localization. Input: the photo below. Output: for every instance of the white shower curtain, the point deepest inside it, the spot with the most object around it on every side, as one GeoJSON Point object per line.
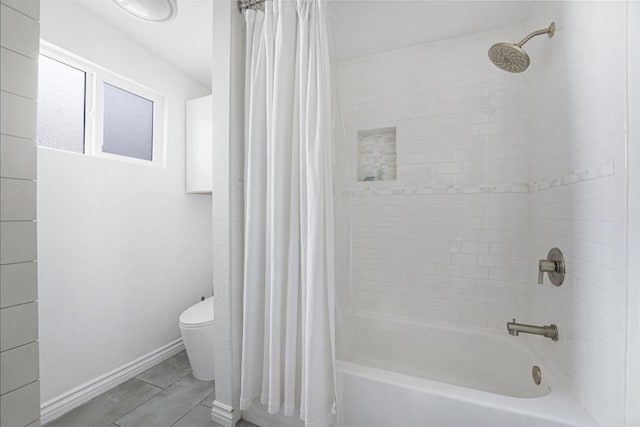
{"type": "Point", "coordinates": [288, 360]}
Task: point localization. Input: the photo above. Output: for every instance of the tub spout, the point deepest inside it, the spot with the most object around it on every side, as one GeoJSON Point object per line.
{"type": "Point", "coordinates": [548, 331]}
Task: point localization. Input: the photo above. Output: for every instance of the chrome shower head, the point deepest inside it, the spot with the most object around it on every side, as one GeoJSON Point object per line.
{"type": "Point", "coordinates": [511, 57]}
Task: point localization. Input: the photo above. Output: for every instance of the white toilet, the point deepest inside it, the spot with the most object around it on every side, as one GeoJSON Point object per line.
{"type": "Point", "coordinates": [196, 327]}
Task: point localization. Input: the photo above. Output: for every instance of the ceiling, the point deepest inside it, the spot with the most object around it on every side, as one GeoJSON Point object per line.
{"type": "Point", "coordinates": [358, 27]}
{"type": "Point", "coordinates": [185, 42]}
{"type": "Point", "coordinates": [362, 27]}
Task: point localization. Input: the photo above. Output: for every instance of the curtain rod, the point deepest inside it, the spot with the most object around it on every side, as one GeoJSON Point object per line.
{"type": "Point", "coordinates": [250, 4]}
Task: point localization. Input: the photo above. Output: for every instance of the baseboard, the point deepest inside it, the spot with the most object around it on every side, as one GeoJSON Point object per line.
{"type": "Point", "coordinates": [224, 414]}
{"type": "Point", "coordinates": [58, 406]}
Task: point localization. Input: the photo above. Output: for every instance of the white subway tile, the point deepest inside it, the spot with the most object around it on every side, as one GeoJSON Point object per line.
{"type": "Point", "coordinates": [25, 315]}
{"type": "Point", "coordinates": [19, 32]}
{"type": "Point", "coordinates": [21, 407]}
{"type": "Point", "coordinates": [18, 115]}
{"type": "Point", "coordinates": [474, 271]}
{"type": "Point", "coordinates": [17, 157]}
{"type": "Point", "coordinates": [19, 367]}
{"type": "Point", "coordinates": [17, 199]}
{"type": "Point", "coordinates": [17, 242]}
{"type": "Point", "coordinates": [19, 74]}
{"type": "Point", "coordinates": [18, 283]}
{"type": "Point", "coordinates": [30, 8]}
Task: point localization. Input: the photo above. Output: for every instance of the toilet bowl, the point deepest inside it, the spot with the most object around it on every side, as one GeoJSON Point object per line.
{"type": "Point", "coordinates": [196, 328]}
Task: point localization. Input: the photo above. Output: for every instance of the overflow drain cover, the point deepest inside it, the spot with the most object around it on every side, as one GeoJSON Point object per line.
{"type": "Point", "coordinates": [536, 373]}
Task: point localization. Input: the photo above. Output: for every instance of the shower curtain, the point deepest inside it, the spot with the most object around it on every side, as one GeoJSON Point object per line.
{"type": "Point", "coordinates": [288, 361]}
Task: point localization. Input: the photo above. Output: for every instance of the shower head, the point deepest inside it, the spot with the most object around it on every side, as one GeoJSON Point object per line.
{"type": "Point", "coordinates": [511, 57]}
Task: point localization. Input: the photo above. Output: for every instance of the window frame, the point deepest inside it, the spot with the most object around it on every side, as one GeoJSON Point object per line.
{"type": "Point", "coordinates": [95, 77]}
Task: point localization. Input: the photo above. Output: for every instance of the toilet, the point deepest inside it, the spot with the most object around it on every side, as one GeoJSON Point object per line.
{"type": "Point", "coordinates": [196, 328]}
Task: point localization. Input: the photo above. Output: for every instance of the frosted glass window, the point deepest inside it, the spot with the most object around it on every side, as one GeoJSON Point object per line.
{"type": "Point", "coordinates": [128, 124]}
{"type": "Point", "coordinates": [61, 93]}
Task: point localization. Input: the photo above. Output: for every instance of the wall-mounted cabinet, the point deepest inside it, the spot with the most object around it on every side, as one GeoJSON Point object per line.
{"type": "Point", "coordinates": [199, 145]}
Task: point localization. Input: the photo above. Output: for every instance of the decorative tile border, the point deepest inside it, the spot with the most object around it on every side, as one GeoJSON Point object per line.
{"type": "Point", "coordinates": [605, 169]}
{"type": "Point", "coordinates": [571, 177]}
{"type": "Point", "coordinates": [452, 189]}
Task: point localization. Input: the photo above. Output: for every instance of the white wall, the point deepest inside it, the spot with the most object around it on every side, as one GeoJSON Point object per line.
{"type": "Point", "coordinates": [19, 385]}
{"type": "Point", "coordinates": [122, 249]}
{"type": "Point", "coordinates": [447, 241]}
{"type": "Point", "coordinates": [578, 199]}
{"type": "Point", "coordinates": [633, 144]}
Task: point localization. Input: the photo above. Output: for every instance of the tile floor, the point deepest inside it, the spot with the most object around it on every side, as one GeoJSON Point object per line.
{"type": "Point", "coordinates": [162, 396]}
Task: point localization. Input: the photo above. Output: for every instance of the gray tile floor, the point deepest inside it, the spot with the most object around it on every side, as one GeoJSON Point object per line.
{"type": "Point", "coordinates": [162, 396]}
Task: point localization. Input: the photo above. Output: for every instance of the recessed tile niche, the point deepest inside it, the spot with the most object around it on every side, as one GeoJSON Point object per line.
{"type": "Point", "coordinates": [377, 155]}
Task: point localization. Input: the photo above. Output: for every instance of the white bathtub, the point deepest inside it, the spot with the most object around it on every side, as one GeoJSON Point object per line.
{"type": "Point", "coordinates": [407, 374]}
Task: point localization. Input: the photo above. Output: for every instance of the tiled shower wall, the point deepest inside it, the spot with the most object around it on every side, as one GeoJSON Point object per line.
{"type": "Point", "coordinates": [494, 169]}
{"type": "Point", "coordinates": [578, 114]}
{"type": "Point", "coordinates": [447, 242]}
{"type": "Point", "coordinates": [442, 258]}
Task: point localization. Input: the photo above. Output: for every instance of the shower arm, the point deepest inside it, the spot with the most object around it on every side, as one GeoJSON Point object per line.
{"type": "Point", "coordinates": [551, 30]}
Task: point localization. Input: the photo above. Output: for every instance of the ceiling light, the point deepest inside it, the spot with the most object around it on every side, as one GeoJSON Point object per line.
{"type": "Point", "coordinates": [150, 10]}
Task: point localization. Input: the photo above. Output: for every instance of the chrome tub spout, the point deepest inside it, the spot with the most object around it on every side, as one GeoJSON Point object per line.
{"type": "Point", "coordinates": [548, 331]}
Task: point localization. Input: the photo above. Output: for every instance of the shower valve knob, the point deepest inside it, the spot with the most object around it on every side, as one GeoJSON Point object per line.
{"type": "Point", "coordinates": [554, 266]}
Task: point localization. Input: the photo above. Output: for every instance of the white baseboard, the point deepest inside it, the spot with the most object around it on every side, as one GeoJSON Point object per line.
{"type": "Point", "coordinates": [58, 406]}
{"type": "Point", "coordinates": [224, 414]}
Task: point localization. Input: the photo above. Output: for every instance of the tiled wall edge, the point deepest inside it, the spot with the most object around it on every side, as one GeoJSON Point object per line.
{"type": "Point", "coordinates": [571, 177]}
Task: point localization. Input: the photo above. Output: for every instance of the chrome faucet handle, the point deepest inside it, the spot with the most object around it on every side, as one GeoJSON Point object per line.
{"type": "Point", "coordinates": [545, 266]}
{"type": "Point", "coordinates": [540, 274]}
{"type": "Point", "coordinates": [554, 266]}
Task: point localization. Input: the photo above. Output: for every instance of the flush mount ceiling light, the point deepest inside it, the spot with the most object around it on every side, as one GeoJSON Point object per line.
{"type": "Point", "coordinates": [150, 10]}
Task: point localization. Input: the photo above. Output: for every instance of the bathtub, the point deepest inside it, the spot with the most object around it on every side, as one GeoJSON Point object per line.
{"type": "Point", "coordinates": [407, 374]}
